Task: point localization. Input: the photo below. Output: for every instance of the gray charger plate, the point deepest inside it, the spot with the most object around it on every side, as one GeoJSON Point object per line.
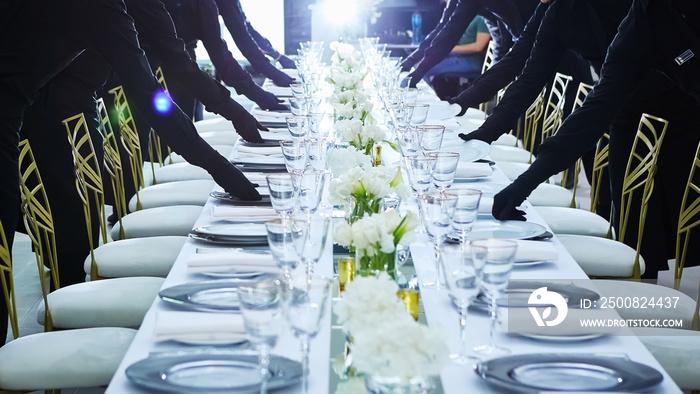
{"type": "Point", "coordinates": [226, 197]}
{"type": "Point", "coordinates": [212, 373]}
{"type": "Point", "coordinates": [573, 294]}
{"type": "Point", "coordinates": [568, 372]}
{"type": "Point", "coordinates": [209, 296]}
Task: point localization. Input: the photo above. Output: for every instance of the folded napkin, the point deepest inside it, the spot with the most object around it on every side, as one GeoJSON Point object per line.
{"type": "Point", "coordinates": [259, 214]}
{"type": "Point", "coordinates": [260, 150]}
{"type": "Point", "coordinates": [198, 326]}
{"type": "Point", "coordinates": [231, 261]}
{"type": "Point", "coordinates": [278, 90]}
{"type": "Point", "coordinates": [256, 177]}
{"type": "Point", "coordinates": [257, 112]}
{"type": "Point", "coordinates": [274, 135]}
{"type": "Point", "coordinates": [473, 170]}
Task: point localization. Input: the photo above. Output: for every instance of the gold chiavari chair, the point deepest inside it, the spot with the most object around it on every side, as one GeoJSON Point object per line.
{"type": "Point", "coordinates": [488, 62]}
{"type": "Point", "coordinates": [113, 164]}
{"type": "Point", "coordinates": [581, 94]}
{"type": "Point", "coordinates": [688, 219]}
{"type": "Point", "coordinates": [8, 287]}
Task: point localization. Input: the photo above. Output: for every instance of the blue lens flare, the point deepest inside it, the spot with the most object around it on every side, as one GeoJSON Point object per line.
{"type": "Point", "coordinates": [162, 102]}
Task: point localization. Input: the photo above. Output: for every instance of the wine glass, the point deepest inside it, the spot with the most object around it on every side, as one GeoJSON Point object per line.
{"type": "Point", "coordinates": [465, 212]}
{"type": "Point", "coordinates": [320, 151]}
{"type": "Point", "coordinates": [286, 240]}
{"type": "Point", "coordinates": [311, 186]}
{"type": "Point", "coordinates": [419, 114]}
{"type": "Point", "coordinates": [436, 210]}
{"type": "Point", "coordinates": [299, 106]}
{"type": "Point", "coordinates": [317, 228]}
{"type": "Point", "coordinates": [431, 137]}
{"type": "Point", "coordinates": [298, 126]}
{"type": "Point", "coordinates": [444, 169]}
{"type": "Point", "coordinates": [493, 260]}
{"type": "Point", "coordinates": [283, 193]}
{"type": "Point", "coordinates": [299, 90]}
{"type": "Point", "coordinates": [420, 173]}
{"type": "Point", "coordinates": [305, 305]}
{"type": "Point", "coordinates": [408, 140]}
{"type": "Point", "coordinates": [261, 308]}
{"type": "Point", "coordinates": [462, 284]}
{"type": "Point", "coordinates": [295, 156]}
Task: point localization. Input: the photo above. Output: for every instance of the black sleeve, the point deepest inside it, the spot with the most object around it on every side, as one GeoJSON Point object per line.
{"type": "Point", "coordinates": [235, 21]}
{"type": "Point", "coordinates": [538, 71]}
{"type": "Point", "coordinates": [156, 29]}
{"type": "Point", "coordinates": [417, 54]}
{"type": "Point", "coordinates": [504, 72]}
{"type": "Point", "coordinates": [625, 65]}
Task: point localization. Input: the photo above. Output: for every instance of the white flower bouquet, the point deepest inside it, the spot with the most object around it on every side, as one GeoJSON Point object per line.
{"type": "Point", "coordinates": [358, 135]}
{"type": "Point", "coordinates": [366, 187]}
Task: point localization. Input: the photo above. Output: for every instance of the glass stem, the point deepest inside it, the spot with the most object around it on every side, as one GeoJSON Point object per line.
{"type": "Point", "coordinates": [438, 269]}
{"type": "Point", "coordinates": [494, 313]}
{"type": "Point", "coordinates": [463, 331]}
{"type": "Point", "coordinates": [305, 348]}
{"type": "Point", "coordinates": [264, 370]}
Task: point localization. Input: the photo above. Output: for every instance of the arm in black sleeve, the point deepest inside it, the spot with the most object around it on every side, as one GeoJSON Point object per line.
{"type": "Point", "coordinates": [114, 37]}
{"type": "Point", "coordinates": [539, 69]}
{"type": "Point", "coordinates": [447, 38]}
{"type": "Point", "coordinates": [417, 54]}
{"type": "Point", "coordinates": [625, 65]}
{"type": "Point", "coordinates": [235, 21]}
{"type": "Point", "coordinates": [506, 70]}
{"type": "Point", "coordinates": [267, 48]}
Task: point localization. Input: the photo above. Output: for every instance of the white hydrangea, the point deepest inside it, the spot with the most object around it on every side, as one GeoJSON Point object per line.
{"type": "Point", "coordinates": [347, 158]}
{"type": "Point", "coordinates": [376, 233]}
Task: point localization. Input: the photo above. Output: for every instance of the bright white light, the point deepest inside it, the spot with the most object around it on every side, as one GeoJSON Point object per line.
{"type": "Point", "coordinates": [342, 12]}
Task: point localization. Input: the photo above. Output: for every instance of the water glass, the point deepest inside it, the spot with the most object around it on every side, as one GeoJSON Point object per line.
{"type": "Point", "coordinates": [401, 115]}
{"type": "Point", "coordinates": [408, 139]}
{"type": "Point", "coordinates": [419, 113]}
{"type": "Point", "coordinates": [461, 283]}
{"type": "Point", "coordinates": [420, 173]}
{"type": "Point", "coordinates": [261, 308]}
{"type": "Point", "coordinates": [465, 212]}
{"type": "Point", "coordinates": [436, 211]}
{"type": "Point", "coordinates": [444, 169]}
{"type": "Point", "coordinates": [299, 90]}
{"type": "Point", "coordinates": [409, 95]}
{"type": "Point", "coordinates": [295, 156]}
{"type": "Point", "coordinates": [286, 240]}
{"type": "Point", "coordinates": [298, 126]}
{"type": "Point", "coordinates": [283, 193]}
{"type": "Point", "coordinates": [493, 261]}
{"type": "Point", "coordinates": [310, 184]}
{"type": "Point", "coordinates": [320, 125]}
{"type": "Point", "coordinates": [320, 151]}
{"type": "Point", "coordinates": [430, 137]}
{"type": "Point", "coordinates": [307, 300]}
{"type": "Point", "coordinates": [299, 106]}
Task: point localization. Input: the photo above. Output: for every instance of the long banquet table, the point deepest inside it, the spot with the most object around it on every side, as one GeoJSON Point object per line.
{"type": "Point", "coordinates": [438, 312]}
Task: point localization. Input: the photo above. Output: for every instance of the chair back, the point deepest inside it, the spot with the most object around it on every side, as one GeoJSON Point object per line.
{"type": "Point", "coordinates": [155, 154]}
{"type": "Point", "coordinates": [600, 163]}
{"type": "Point", "coordinates": [554, 112]}
{"type": "Point", "coordinates": [532, 118]}
{"type": "Point", "coordinates": [88, 180]}
{"type": "Point", "coordinates": [488, 62]}
{"type": "Point", "coordinates": [130, 139]}
{"type": "Point", "coordinates": [113, 163]}
{"type": "Point", "coordinates": [581, 93]}
{"type": "Point", "coordinates": [8, 288]}
{"type": "Point", "coordinates": [639, 176]}
{"type": "Point", "coordinates": [689, 217]}
{"type": "Point", "coordinates": [38, 222]}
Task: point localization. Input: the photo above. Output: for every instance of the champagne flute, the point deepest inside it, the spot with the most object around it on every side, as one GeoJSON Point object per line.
{"type": "Point", "coordinates": [436, 210]}
{"type": "Point", "coordinates": [461, 283]}
{"type": "Point", "coordinates": [260, 305]}
{"type": "Point", "coordinates": [493, 259]}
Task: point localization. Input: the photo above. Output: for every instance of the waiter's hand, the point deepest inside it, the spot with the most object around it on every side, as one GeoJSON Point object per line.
{"type": "Point", "coordinates": [505, 203]}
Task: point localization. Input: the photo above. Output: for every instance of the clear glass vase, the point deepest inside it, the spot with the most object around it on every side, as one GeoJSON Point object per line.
{"type": "Point", "coordinates": [395, 385]}
{"type": "Point", "coordinates": [372, 265]}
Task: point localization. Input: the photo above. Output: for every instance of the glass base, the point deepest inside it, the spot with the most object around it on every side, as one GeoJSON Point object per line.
{"type": "Point", "coordinates": [462, 359]}
{"type": "Point", "coordinates": [488, 351]}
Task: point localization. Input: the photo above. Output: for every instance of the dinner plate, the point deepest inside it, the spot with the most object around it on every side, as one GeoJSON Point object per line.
{"type": "Point", "coordinates": [233, 274]}
{"type": "Point", "coordinates": [505, 229]}
{"type": "Point", "coordinates": [518, 293]}
{"type": "Point", "coordinates": [471, 150]}
{"type": "Point", "coordinates": [258, 159]}
{"type": "Point", "coordinates": [241, 234]}
{"type": "Point", "coordinates": [523, 264]}
{"type": "Point", "coordinates": [443, 110]}
{"type": "Point", "coordinates": [264, 144]}
{"type": "Point", "coordinates": [488, 189]}
{"type": "Point", "coordinates": [218, 372]}
{"type": "Point", "coordinates": [562, 338]}
{"type": "Point", "coordinates": [210, 296]}
{"type": "Point", "coordinates": [568, 372]}
{"type": "Point", "coordinates": [233, 340]}
{"type": "Point", "coordinates": [225, 196]}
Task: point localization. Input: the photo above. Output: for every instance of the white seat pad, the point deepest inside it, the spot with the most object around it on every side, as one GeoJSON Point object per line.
{"type": "Point", "coordinates": [63, 359]}
{"type": "Point", "coordinates": [574, 221]}
{"type": "Point", "coordinates": [601, 256]}
{"type": "Point", "coordinates": [678, 351]}
{"type": "Point", "coordinates": [119, 302]}
{"type": "Point", "coordinates": [194, 192]}
{"type": "Point", "coordinates": [216, 123]}
{"type": "Point", "coordinates": [225, 151]}
{"type": "Point", "coordinates": [512, 169]}
{"type": "Point", "coordinates": [180, 172]}
{"type": "Point", "coordinates": [508, 140]}
{"type": "Point", "coordinates": [501, 153]}
{"type": "Point", "coordinates": [151, 256]}
{"type": "Point", "coordinates": [548, 195]}
{"type": "Point", "coordinates": [220, 137]}
{"type": "Point", "coordinates": [173, 220]}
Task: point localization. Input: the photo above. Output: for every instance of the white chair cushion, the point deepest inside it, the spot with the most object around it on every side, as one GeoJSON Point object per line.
{"type": "Point", "coordinates": [63, 359]}
{"type": "Point", "coordinates": [194, 192]}
{"type": "Point", "coordinates": [151, 256]}
{"type": "Point", "coordinates": [678, 351]}
{"type": "Point", "coordinates": [119, 302]}
{"type": "Point", "coordinates": [684, 308]}
{"type": "Point", "coordinates": [220, 137]}
{"type": "Point", "coordinates": [501, 153]}
{"type": "Point", "coordinates": [174, 220]}
{"type": "Point", "coordinates": [507, 140]}
{"type": "Point", "coordinates": [180, 172]}
{"type": "Point", "coordinates": [601, 256]}
{"type": "Point", "coordinates": [513, 169]}
{"type": "Point", "coordinates": [225, 151]}
{"type": "Point", "coordinates": [215, 123]}
{"type": "Point", "coordinates": [548, 195]}
{"type": "Point", "coordinates": [574, 221]}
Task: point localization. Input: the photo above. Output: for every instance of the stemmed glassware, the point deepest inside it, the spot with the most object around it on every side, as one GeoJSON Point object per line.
{"type": "Point", "coordinates": [286, 239]}
{"type": "Point", "coordinates": [320, 151]}
{"type": "Point", "coordinates": [305, 305]}
{"type": "Point", "coordinates": [493, 259]}
{"type": "Point", "coordinates": [310, 184]}
{"type": "Point", "coordinates": [461, 282]}
{"type": "Point", "coordinates": [408, 140]}
{"type": "Point", "coordinates": [444, 169]}
{"type": "Point", "coordinates": [263, 317]}
{"type": "Point", "coordinates": [317, 228]}
{"type": "Point", "coordinates": [299, 106]}
{"type": "Point", "coordinates": [283, 194]}
{"type": "Point", "coordinates": [295, 156]}
{"type": "Point", "coordinates": [436, 210]}
{"type": "Point", "coordinates": [430, 137]}
{"type": "Point", "coordinates": [419, 114]}
{"type": "Point", "coordinates": [420, 173]}
{"type": "Point", "coordinates": [465, 212]}
{"type": "Point", "coordinates": [298, 126]}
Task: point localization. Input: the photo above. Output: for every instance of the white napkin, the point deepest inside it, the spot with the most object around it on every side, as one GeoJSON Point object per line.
{"type": "Point", "coordinates": [485, 204]}
{"type": "Point", "coordinates": [274, 135]}
{"type": "Point", "coordinates": [257, 112]}
{"type": "Point", "coordinates": [260, 150]}
{"type": "Point", "coordinates": [473, 170]}
{"type": "Point", "coordinates": [231, 261]}
{"type": "Point", "coordinates": [220, 212]}
{"type": "Point", "coordinates": [256, 177]}
{"type": "Point", "coordinates": [194, 326]}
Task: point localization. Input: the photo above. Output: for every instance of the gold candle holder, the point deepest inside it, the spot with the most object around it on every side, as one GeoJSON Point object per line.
{"type": "Point", "coordinates": [346, 271]}
{"type": "Point", "coordinates": [411, 299]}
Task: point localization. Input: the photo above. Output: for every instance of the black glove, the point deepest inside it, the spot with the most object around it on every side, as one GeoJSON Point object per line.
{"type": "Point", "coordinates": [506, 201]}
{"type": "Point", "coordinates": [265, 99]}
{"type": "Point", "coordinates": [462, 103]}
{"type": "Point", "coordinates": [481, 134]}
{"type": "Point", "coordinates": [282, 79]}
{"type": "Point", "coordinates": [247, 127]}
{"type": "Point", "coordinates": [414, 80]}
{"type": "Point", "coordinates": [234, 182]}
{"type": "Point", "coordinates": [286, 62]}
